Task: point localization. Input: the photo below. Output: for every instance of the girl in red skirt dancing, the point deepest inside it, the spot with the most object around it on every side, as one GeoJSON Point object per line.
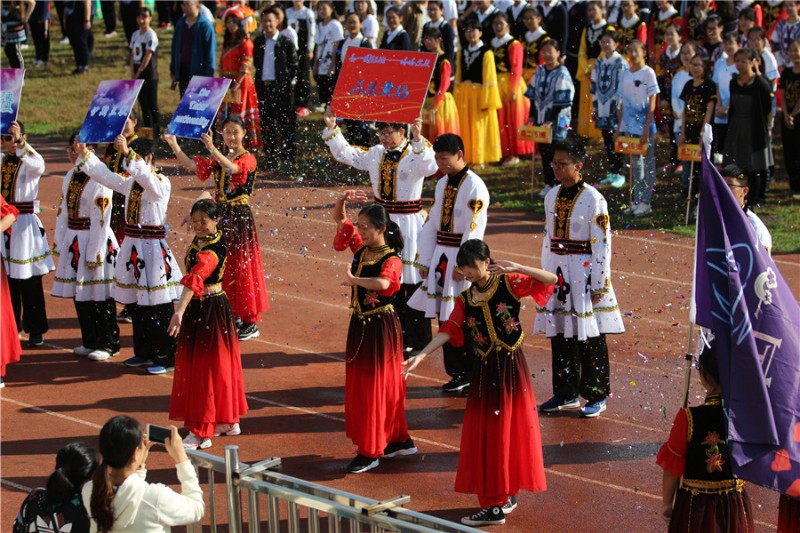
{"type": "Point", "coordinates": [234, 174]}
{"type": "Point", "coordinates": [375, 392]}
{"type": "Point", "coordinates": [208, 390]}
{"type": "Point", "coordinates": [10, 348]}
{"type": "Point", "coordinates": [501, 448]}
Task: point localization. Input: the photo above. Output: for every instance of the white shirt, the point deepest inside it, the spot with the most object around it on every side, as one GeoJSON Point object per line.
{"type": "Point", "coordinates": [327, 37]}
{"type": "Point", "coordinates": [291, 34]}
{"type": "Point", "coordinates": [306, 16]}
{"type": "Point", "coordinates": [723, 74]}
{"type": "Point", "coordinates": [268, 67]}
{"type": "Point", "coordinates": [351, 41]}
{"type": "Point", "coordinates": [370, 28]}
{"type": "Point", "coordinates": [141, 43]}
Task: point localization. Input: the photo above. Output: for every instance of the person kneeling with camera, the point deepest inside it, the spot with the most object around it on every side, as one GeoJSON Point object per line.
{"type": "Point", "coordinates": [119, 499]}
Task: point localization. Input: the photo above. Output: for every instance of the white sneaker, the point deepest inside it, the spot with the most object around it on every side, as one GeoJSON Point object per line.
{"type": "Point", "coordinates": [82, 351]}
{"type": "Point", "coordinates": [543, 192]}
{"type": "Point", "coordinates": [230, 430]}
{"type": "Point", "coordinates": [193, 442]}
{"type": "Point", "coordinates": [642, 210]}
{"type": "Point", "coordinates": [99, 355]}
{"type": "Point", "coordinates": [629, 210]}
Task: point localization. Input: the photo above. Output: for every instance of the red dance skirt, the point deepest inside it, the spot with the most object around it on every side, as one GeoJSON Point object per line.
{"type": "Point", "coordinates": [244, 280]}
{"type": "Point", "coordinates": [208, 388]}
{"type": "Point", "coordinates": [374, 391]}
{"type": "Point", "coordinates": [501, 446]}
{"type": "Point", "coordinates": [788, 515]}
{"type": "Point", "coordinates": [10, 348]}
{"type": "Point", "coordinates": [712, 513]}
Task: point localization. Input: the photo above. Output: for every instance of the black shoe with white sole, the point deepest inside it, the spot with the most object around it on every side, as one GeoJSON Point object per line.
{"type": "Point", "coordinates": [510, 505]}
{"type": "Point", "coordinates": [362, 463]}
{"type": "Point", "coordinates": [459, 382]}
{"type": "Point", "coordinates": [248, 331]}
{"type": "Point", "coordinates": [396, 449]}
{"type": "Point", "coordinates": [490, 516]}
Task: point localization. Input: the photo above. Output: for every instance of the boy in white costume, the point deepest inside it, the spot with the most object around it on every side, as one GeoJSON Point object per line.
{"type": "Point", "coordinates": [583, 309]}
{"type": "Point", "coordinates": [25, 250]}
{"type": "Point", "coordinates": [458, 214]}
{"type": "Point", "coordinates": [397, 167]}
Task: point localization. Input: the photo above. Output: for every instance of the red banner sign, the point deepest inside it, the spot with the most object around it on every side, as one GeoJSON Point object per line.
{"type": "Point", "coordinates": [382, 85]}
{"type": "Point", "coordinates": [690, 152]}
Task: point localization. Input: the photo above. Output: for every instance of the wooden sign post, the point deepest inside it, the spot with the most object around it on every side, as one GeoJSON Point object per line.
{"type": "Point", "coordinates": [689, 153]}
{"type": "Point", "coordinates": [535, 134]}
{"type": "Point", "coordinates": [631, 146]}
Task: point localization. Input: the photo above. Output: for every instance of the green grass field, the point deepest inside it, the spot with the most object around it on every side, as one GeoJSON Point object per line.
{"type": "Point", "coordinates": [55, 102]}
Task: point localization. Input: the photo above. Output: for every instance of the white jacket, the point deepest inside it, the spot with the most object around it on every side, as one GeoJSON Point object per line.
{"type": "Point", "coordinates": [142, 507]}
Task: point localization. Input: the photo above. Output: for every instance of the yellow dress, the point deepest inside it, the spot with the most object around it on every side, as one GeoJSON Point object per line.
{"type": "Point", "coordinates": [509, 57]}
{"type": "Point", "coordinates": [445, 119]}
{"type": "Point", "coordinates": [478, 99]}
{"type": "Point", "coordinates": [586, 127]}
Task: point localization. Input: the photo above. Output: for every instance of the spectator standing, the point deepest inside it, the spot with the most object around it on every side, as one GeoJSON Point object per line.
{"type": "Point", "coordinates": [144, 66]}
{"type": "Point", "coordinates": [329, 33]}
{"type": "Point", "coordinates": [119, 499]}
{"type": "Point", "coordinates": [359, 132]}
{"type": "Point", "coordinates": [790, 107]}
{"type": "Point", "coordinates": [630, 26]}
{"type": "Point", "coordinates": [724, 70]}
{"type": "Point", "coordinates": [78, 22]}
{"type": "Point", "coordinates": [15, 16]}
{"type": "Point", "coordinates": [369, 23]}
{"type": "Point", "coordinates": [699, 97]}
{"type": "Point", "coordinates": [636, 114]}
{"type": "Point", "coordinates": [440, 100]}
{"type": "Point", "coordinates": [194, 47]}
{"type": "Point", "coordinates": [436, 15]}
{"type": "Point", "coordinates": [26, 254]}
{"type": "Point", "coordinates": [303, 20]}
{"type": "Point", "coordinates": [275, 59]}
{"type": "Point", "coordinates": [483, 12]}
{"type": "Point", "coordinates": [59, 506]}
{"type": "Point", "coordinates": [39, 23]}
{"type": "Point", "coordinates": [605, 80]}
{"type": "Point", "coordinates": [749, 117]}
{"type": "Point", "coordinates": [514, 12]}
{"type": "Point", "coordinates": [413, 16]}
{"type": "Point", "coordinates": [786, 32]}
{"type": "Point", "coordinates": [478, 98]}
{"type": "Point", "coordinates": [109, 11]}
{"type": "Point", "coordinates": [395, 37]}
{"type": "Point", "coordinates": [745, 22]}
{"type": "Point", "coordinates": [551, 93]}
{"type": "Point", "coordinates": [712, 45]}
{"type": "Point", "coordinates": [679, 80]}
{"type": "Point", "coordinates": [660, 19]}
{"type": "Point", "coordinates": [583, 308]}
{"type": "Point", "coordinates": [532, 39]}
{"type": "Point", "coordinates": [556, 23]}
{"type": "Point", "coordinates": [668, 74]}
{"type": "Point", "coordinates": [589, 51]}
{"type": "Point", "coordinates": [694, 21]}
{"type": "Point", "coordinates": [235, 63]}
{"type": "Point", "coordinates": [129, 13]}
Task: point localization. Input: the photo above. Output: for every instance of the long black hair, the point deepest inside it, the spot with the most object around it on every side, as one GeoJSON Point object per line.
{"type": "Point", "coordinates": [378, 217]}
{"type": "Point", "coordinates": [207, 206]}
{"type": "Point", "coordinates": [472, 252]}
{"type": "Point", "coordinates": [119, 439]}
{"type": "Point", "coordinates": [75, 464]}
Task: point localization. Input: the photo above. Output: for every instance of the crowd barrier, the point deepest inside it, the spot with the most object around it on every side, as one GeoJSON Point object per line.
{"type": "Point", "coordinates": [305, 507]}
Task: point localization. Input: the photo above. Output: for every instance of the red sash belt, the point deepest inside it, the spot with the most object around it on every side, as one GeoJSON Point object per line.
{"type": "Point", "coordinates": [145, 232]}
{"type": "Point", "coordinates": [24, 208]}
{"type": "Point", "coordinates": [400, 208]}
{"type": "Point", "coordinates": [447, 238]}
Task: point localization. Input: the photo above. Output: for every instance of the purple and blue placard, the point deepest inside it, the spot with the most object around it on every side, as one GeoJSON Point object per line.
{"type": "Point", "coordinates": [10, 94]}
{"type": "Point", "coordinates": [198, 107]}
{"type": "Point", "coordinates": [112, 104]}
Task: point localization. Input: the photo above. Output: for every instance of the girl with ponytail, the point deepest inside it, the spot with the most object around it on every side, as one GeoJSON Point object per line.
{"type": "Point", "coordinates": [375, 393]}
{"type": "Point", "coordinates": [60, 504]}
{"type": "Point", "coordinates": [119, 499]}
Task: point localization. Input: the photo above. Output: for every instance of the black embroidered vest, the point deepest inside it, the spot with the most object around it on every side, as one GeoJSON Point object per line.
{"type": "Point", "coordinates": [472, 65]}
{"type": "Point", "coordinates": [10, 170]}
{"type": "Point", "coordinates": [532, 50]}
{"type": "Point", "coordinates": [226, 192]}
{"type": "Point", "coordinates": [501, 60]}
{"type": "Point", "coordinates": [387, 171]}
{"type": "Point", "coordinates": [707, 456]}
{"type": "Point", "coordinates": [367, 302]}
{"type": "Point", "coordinates": [493, 324]}
{"type": "Point", "coordinates": [214, 244]}
{"type": "Point", "coordinates": [436, 79]}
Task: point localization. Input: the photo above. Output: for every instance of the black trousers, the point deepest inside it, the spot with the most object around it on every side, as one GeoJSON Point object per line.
{"type": "Point", "coordinates": [164, 10]}
{"type": "Point", "coordinates": [459, 361]}
{"type": "Point", "coordinates": [79, 39]}
{"type": "Point", "coordinates": [791, 154]}
{"type": "Point", "coordinates": [614, 159]}
{"type": "Point", "coordinates": [27, 299]}
{"type": "Point", "coordinates": [148, 101]}
{"type": "Point", "coordinates": [720, 132]}
{"type": "Point", "coordinates": [325, 86]}
{"type": "Point", "coordinates": [98, 322]}
{"type": "Point", "coordinates": [150, 338]}
{"type": "Point", "coordinates": [14, 54]}
{"type": "Point", "coordinates": [416, 328]}
{"type": "Point", "coordinates": [128, 13]}
{"type": "Point", "coordinates": [580, 368]}
{"type": "Point", "coordinates": [547, 158]}
{"type": "Point", "coordinates": [278, 122]}
{"type": "Point", "coordinates": [302, 89]}
{"type": "Point", "coordinates": [40, 32]}
{"type": "Point", "coordinates": [60, 13]}
{"type": "Point", "coordinates": [109, 15]}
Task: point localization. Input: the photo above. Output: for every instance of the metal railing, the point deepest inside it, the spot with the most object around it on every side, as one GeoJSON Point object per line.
{"type": "Point", "coordinates": [304, 506]}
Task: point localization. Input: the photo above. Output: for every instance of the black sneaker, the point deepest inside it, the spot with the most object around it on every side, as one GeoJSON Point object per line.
{"type": "Point", "coordinates": [510, 505]}
{"type": "Point", "coordinates": [456, 384]}
{"type": "Point", "coordinates": [248, 331]}
{"type": "Point", "coordinates": [395, 449]}
{"type": "Point", "coordinates": [361, 464]}
{"type": "Point", "coordinates": [489, 516]}
{"type": "Point", "coordinates": [35, 339]}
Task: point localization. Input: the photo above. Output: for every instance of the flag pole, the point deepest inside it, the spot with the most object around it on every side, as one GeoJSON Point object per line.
{"type": "Point", "coordinates": [689, 359]}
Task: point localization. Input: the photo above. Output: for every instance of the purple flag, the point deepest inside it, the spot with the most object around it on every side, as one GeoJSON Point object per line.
{"type": "Point", "coordinates": [741, 295]}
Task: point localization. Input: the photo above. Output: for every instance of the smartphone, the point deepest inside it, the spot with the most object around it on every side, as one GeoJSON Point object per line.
{"type": "Point", "coordinates": [157, 433]}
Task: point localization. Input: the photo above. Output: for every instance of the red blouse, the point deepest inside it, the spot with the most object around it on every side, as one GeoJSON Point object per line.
{"type": "Point", "coordinates": [246, 163]}
{"type": "Point", "coordinates": [672, 455]}
{"type": "Point", "coordinates": [348, 237]}
{"type": "Point", "coordinates": [194, 280]}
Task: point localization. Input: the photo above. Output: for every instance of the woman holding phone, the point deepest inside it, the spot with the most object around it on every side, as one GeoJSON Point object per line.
{"type": "Point", "coordinates": [119, 499]}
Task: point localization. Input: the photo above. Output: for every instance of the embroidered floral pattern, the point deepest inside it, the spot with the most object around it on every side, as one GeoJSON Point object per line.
{"type": "Point", "coordinates": [474, 330]}
{"type": "Point", "coordinates": [714, 460]}
{"type": "Point", "coordinates": [371, 299]}
{"type": "Point", "coordinates": [510, 323]}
